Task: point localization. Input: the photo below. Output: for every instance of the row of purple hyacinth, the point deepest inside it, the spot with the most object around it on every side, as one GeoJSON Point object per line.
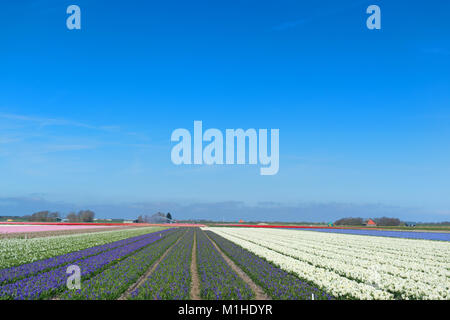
{"type": "Point", "coordinates": [112, 282]}
{"type": "Point", "coordinates": [277, 283]}
{"type": "Point", "coordinates": [217, 280]}
{"type": "Point", "coordinates": [171, 280]}
{"type": "Point", "coordinates": [45, 285]}
{"type": "Point", "coordinates": [16, 273]}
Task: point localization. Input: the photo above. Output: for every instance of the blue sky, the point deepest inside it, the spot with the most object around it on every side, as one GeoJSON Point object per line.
{"type": "Point", "coordinates": [86, 115]}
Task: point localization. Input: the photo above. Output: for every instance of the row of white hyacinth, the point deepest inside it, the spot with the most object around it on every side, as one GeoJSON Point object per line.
{"type": "Point", "coordinates": [356, 266]}
{"type": "Point", "coordinates": [15, 252]}
{"type": "Point", "coordinates": [395, 262]}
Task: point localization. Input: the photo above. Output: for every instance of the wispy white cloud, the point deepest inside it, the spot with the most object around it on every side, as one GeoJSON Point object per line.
{"type": "Point", "coordinates": [43, 122]}
{"type": "Point", "coordinates": [25, 136]}
{"type": "Point", "coordinates": [67, 147]}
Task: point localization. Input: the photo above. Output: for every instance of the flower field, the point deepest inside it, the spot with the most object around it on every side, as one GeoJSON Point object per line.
{"type": "Point", "coordinates": [47, 284]}
{"type": "Point", "coordinates": [172, 278]}
{"type": "Point", "coordinates": [277, 282]}
{"type": "Point", "coordinates": [111, 283]}
{"type": "Point", "coordinates": [442, 236]}
{"type": "Point", "coordinates": [14, 252]}
{"type": "Point", "coordinates": [42, 228]}
{"type": "Point", "coordinates": [224, 263]}
{"type": "Point", "coordinates": [350, 266]}
{"type": "Point", "coordinates": [218, 280]}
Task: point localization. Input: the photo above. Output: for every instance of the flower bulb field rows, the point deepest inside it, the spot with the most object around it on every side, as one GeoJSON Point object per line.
{"type": "Point", "coordinates": [14, 252]}
{"type": "Point", "coordinates": [171, 280]}
{"type": "Point", "coordinates": [47, 284]}
{"type": "Point", "coordinates": [111, 283]}
{"type": "Point", "coordinates": [353, 266]}
{"type": "Point", "coordinates": [15, 273]}
{"type": "Point", "coordinates": [217, 279]}
{"type": "Point", "coordinates": [181, 263]}
{"type": "Point", "coordinates": [276, 282]}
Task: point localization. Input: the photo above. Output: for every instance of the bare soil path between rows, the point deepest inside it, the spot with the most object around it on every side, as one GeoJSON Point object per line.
{"type": "Point", "coordinates": [259, 292]}
{"type": "Point", "coordinates": [144, 277]}
{"type": "Point", "coordinates": [195, 282]}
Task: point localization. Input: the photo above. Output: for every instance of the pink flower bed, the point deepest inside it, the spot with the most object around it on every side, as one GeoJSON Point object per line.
{"type": "Point", "coordinates": [39, 228]}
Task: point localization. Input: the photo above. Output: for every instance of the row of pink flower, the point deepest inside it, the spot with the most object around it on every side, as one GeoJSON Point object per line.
{"type": "Point", "coordinates": [39, 228]}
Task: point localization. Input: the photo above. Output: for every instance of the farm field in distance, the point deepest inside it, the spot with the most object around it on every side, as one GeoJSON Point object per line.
{"type": "Point", "coordinates": [34, 230]}
{"type": "Point", "coordinates": [223, 263]}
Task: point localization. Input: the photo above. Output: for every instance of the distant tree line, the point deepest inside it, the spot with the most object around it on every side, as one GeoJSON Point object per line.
{"type": "Point", "coordinates": [81, 216]}
{"type": "Point", "coordinates": [350, 222]}
{"type": "Point", "coordinates": [44, 216]}
{"type": "Point", "coordinates": [47, 216]}
{"type": "Point", "coordinates": [383, 221]}
{"type": "Point", "coordinates": [386, 222]}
